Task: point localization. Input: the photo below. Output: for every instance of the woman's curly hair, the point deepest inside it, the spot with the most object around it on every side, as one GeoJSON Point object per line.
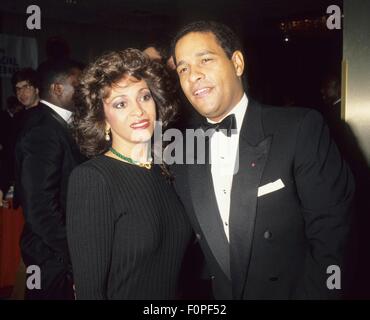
{"type": "Point", "coordinates": [88, 121]}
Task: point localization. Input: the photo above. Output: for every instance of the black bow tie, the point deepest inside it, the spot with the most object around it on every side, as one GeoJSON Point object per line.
{"type": "Point", "coordinates": [226, 125]}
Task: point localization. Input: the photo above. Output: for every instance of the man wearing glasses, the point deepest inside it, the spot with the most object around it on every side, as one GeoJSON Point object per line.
{"type": "Point", "coordinates": [26, 87]}
{"type": "Point", "coordinates": [25, 84]}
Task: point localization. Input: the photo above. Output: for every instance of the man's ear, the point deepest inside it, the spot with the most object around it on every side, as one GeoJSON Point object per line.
{"type": "Point", "coordinates": [238, 61]}
{"type": "Point", "coordinates": [57, 89]}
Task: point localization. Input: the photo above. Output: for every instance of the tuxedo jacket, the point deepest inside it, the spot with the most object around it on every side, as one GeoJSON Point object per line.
{"type": "Point", "coordinates": [45, 156]}
{"type": "Point", "coordinates": [283, 242]}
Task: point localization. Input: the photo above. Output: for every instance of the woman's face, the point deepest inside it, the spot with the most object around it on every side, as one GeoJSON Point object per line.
{"type": "Point", "coordinates": [130, 113]}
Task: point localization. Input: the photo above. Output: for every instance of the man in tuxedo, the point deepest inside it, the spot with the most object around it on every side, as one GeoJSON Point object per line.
{"type": "Point", "coordinates": [45, 156]}
{"type": "Point", "coordinates": [271, 207]}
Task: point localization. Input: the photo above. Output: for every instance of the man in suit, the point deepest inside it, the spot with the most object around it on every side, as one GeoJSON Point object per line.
{"type": "Point", "coordinates": [45, 156]}
{"type": "Point", "coordinates": [271, 207]}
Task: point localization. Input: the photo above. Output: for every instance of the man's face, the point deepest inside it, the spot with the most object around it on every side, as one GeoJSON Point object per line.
{"type": "Point", "coordinates": [69, 85]}
{"type": "Point", "coordinates": [330, 92]}
{"type": "Point", "coordinates": [27, 94]}
{"type": "Point", "coordinates": [210, 80]}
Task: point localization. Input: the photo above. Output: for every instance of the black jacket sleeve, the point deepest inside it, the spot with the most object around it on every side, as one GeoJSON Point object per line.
{"type": "Point", "coordinates": [325, 187]}
{"type": "Point", "coordinates": [6, 152]}
{"type": "Point", "coordinates": [40, 172]}
{"type": "Point", "coordinates": [4, 174]}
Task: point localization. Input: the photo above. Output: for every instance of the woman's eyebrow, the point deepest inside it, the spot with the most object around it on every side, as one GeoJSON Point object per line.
{"type": "Point", "coordinates": [124, 95]}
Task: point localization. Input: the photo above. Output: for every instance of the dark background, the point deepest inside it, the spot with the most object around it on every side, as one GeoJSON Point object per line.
{"type": "Point", "coordinates": [279, 72]}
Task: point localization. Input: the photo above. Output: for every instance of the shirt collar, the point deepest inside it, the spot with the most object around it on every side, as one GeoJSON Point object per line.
{"type": "Point", "coordinates": [239, 111]}
{"type": "Point", "coordinates": [65, 114]}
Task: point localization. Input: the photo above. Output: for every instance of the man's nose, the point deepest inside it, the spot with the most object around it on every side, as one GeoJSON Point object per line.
{"type": "Point", "coordinates": [195, 74]}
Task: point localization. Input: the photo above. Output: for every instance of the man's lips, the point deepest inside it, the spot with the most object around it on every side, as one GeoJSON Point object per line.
{"type": "Point", "coordinates": [202, 92]}
{"type": "Point", "coordinates": [143, 124]}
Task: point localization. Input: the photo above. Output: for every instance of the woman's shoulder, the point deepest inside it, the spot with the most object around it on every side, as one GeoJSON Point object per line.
{"type": "Point", "coordinates": [93, 167]}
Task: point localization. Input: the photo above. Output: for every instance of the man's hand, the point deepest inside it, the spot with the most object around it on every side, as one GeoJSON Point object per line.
{"type": "Point", "coordinates": [3, 203]}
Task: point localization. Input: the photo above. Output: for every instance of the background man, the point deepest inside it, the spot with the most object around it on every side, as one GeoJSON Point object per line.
{"type": "Point", "coordinates": [26, 87]}
{"type": "Point", "coordinates": [45, 156]}
{"type": "Point", "coordinates": [25, 83]}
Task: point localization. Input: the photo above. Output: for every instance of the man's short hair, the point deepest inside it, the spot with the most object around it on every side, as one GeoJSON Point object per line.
{"type": "Point", "coordinates": [226, 38]}
{"type": "Point", "coordinates": [162, 45]}
{"type": "Point", "coordinates": [53, 71]}
{"type": "Point", "coordinates": [26, 74]}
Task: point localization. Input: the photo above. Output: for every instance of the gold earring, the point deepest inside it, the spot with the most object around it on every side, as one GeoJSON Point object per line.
{"type": "Point", "coordinates": [107, 136]}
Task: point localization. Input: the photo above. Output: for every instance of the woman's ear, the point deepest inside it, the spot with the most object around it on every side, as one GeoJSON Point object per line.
{"type": "Point", "coordinates": [238, 61]}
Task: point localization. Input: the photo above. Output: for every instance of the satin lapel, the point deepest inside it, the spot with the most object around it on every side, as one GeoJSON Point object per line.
{"type": "Point", "coordinates": [207, 213]}
{"type": "Point", "coordinates": [252, 159]}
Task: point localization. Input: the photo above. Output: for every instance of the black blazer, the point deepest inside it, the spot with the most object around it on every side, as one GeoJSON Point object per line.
{"type": "Point", "coordinates": [6, 122]}
{"type": "Point", "coordinates": [281, 243]}
{"type": "Point", "coordinates": [45, 156]}
{"type": "Point", "coordinates": [10, 128]}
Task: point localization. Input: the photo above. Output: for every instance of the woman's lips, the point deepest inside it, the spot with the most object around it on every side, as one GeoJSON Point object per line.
{"type": "Point", "coordinates": [143, 124]}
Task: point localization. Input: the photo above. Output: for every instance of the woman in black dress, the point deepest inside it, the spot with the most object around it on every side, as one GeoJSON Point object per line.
{"type": "Point", "coordinates": [127, 231]}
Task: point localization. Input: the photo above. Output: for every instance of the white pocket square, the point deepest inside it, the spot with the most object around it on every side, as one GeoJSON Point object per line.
{"type": "Point", "coordinates": [270, 187]}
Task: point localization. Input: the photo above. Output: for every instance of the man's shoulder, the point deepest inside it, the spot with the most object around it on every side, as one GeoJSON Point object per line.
{"type": "Point", "coordinates": [32, 116]}
{"type": "Point", "coordinates": [37, 125]}
{"type": "Point", "coordinates": [39, 118]}
{"type": "Point", "coordinates": [284, 113]}
{"type": "Point", "coordinates": [277, 116]}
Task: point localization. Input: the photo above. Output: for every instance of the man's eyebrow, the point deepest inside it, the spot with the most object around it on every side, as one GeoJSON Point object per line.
{"type": "Point", "coordinates": [198, 54]}
{"type": "Point", "coordinates": [21, 86]}
{"type": "Point", "coordinates": [202, 53]}
{"type": "Point", "coordinates": [180, 63]}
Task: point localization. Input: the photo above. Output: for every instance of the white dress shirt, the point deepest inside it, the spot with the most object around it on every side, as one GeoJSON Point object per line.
{"type": "Point", "coordinates": [225, 162]}
{"type": "Point", "coordinates": [65, 114]}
